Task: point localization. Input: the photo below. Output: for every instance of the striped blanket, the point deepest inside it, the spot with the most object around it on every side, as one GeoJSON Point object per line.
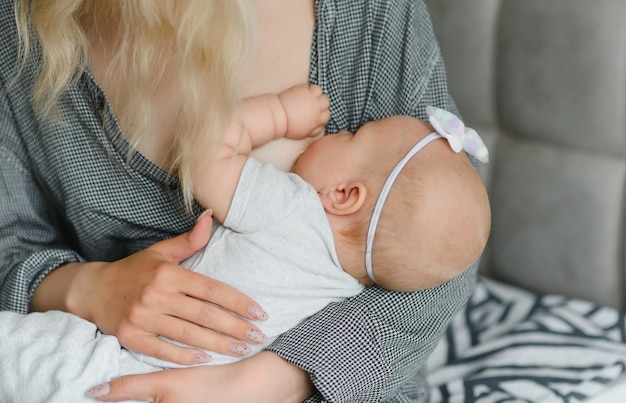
{"type": "Point", "coordinates": [510, 345]}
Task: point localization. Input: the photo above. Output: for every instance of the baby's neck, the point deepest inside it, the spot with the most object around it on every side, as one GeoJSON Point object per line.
{"type": "Point", "coordinates": [352, 259]}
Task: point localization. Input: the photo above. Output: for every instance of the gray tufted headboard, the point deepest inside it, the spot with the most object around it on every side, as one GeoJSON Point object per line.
{"type": "Point", "coordinates": [544, 82]}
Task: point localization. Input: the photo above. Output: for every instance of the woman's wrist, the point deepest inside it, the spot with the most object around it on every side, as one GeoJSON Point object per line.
{"type": "Point", "coordinates": [63, 290]}
{"type": "Point", "coordinates": [51, 293]}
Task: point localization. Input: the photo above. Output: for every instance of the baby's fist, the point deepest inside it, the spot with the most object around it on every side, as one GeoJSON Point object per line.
{"type": "Point", "coordinates": [306, 107]}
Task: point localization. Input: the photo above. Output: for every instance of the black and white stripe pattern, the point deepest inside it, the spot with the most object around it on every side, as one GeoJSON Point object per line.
{"type": "Point", "coordinates": [510, 345]}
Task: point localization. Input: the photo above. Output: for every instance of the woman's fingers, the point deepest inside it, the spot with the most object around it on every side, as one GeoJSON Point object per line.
{"type": "Point", "coordinates": [193, 335]}
{"type": "Point", "coordinates": [189, 385]}
{"type": "Point", "coordinates": [201, 287]}
{"type": "Point", "coordinates": [172, 310]}
{"type": "Point", "coordinates": [150, 345]}
{"type": "Point", "coordinates": [203, 325]}
{"type": "Point", "coordinates": [144, 387]}
{"type": "Point", "coordinates": [209, 316]}
{"type": "Point", "coordinates": [207, 289]}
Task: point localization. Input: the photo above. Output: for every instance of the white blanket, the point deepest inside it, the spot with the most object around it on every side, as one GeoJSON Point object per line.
{"type": "Point", "coordinates": [55, 357]}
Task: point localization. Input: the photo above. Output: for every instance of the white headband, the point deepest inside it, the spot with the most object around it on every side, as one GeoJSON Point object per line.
{"type": "Point", "coordinates": [447, 126]}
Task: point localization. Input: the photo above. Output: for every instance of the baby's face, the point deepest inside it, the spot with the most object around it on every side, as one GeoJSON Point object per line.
{"type": "Point", "coordinates": [341, 156]}
{"type": "Point", "coordinates": [334, 156]}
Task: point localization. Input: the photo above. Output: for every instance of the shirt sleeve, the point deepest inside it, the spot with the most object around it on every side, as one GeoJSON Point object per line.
{"type": "Point", "coordinates": [30, 245]}
{"type": "Point", "coordinates": [264, 197]}
{"type": "Point", "coordinates": [374, 347]}
{"type": "Point", "coordinates": [366, 348]}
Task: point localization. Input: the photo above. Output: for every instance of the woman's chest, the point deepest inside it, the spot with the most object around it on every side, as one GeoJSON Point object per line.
{"type": "Point", "coordinates": [285, 35]}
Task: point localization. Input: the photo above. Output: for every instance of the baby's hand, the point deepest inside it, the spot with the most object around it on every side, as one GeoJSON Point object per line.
{"type": "Point", "coordinates": [306, 107]}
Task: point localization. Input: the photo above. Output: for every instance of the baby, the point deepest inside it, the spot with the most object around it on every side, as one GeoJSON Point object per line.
{"type": "Point", "coordinates": [393, 205]}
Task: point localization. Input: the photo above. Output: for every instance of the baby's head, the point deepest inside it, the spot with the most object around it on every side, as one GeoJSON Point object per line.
{"type": "Point", "coordinates": [435, 220]}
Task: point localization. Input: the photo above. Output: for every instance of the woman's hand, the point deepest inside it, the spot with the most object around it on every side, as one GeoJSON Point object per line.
{"type": "Point", "coordinates": [264, 377]}
{"type": "Point", "coordinates": [148, 294]}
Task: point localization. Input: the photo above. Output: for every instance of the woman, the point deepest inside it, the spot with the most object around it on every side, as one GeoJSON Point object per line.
{"type": "Point", "coordinates": [97, 153]}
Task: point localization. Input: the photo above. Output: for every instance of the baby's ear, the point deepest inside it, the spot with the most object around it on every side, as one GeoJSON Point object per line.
{"type": "Point", "coordinates": [343, 199]}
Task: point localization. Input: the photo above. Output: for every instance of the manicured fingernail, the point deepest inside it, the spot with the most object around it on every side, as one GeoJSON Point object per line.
{"type": "Point", "coordinates": [256, 337]}
{"type": "Point", "coordinates": [257, 313]}
{"type": "Point", "coordinates": [100, 390]}
{"type": "Point", "coordinates": [204, 214]}
{"type": "Point", "coordinates": [201, 358]}
{"type": "Point", "coordinates": [239, 349]}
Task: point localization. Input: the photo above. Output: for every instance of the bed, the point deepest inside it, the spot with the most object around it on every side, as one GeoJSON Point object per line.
{"type": "Point", "coordinates": [511, 345]}
{"type": "Point", "coordinates": [544, 83]}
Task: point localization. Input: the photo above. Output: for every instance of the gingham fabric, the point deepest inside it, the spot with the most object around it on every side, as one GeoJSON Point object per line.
{"type": "Point", "coordinates": [69, 193]}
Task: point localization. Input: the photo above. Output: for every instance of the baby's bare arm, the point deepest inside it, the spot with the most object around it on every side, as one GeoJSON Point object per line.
{"type": "Point", "coordinates": [297, 112]}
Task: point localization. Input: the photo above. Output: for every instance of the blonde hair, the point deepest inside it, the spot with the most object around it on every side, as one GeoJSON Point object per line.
{"type": "Point", "coordinates": [210, 42]}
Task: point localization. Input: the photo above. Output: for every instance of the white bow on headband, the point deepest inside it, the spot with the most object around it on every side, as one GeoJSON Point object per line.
{"type": "Point", "coordinates": [460, 137]}
{"type": "Point", "coordinates": [451, 128]}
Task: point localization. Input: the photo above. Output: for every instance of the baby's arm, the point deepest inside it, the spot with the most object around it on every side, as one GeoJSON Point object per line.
{"type": "Point", "coordinates": [296, 113]}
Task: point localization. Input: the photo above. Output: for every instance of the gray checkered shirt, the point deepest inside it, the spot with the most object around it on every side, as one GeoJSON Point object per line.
{"type": "Point", "coordinates": [69, 193]}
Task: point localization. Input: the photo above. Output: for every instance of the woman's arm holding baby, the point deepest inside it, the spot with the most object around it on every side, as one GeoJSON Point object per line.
{"type": "Point", "coordinates": [261, 378]}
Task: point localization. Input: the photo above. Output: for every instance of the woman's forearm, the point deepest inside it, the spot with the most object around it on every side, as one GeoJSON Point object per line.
{"type": "Point", "coordinates": [275, 380]}
{"type": "Point", "coordinates": [264, 377]}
